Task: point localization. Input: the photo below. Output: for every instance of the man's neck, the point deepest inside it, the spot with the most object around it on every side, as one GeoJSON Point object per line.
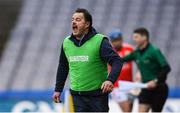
{"type": "Point", "coordinates": [143, 46]}
{"type": "Point", "coordinates": [81, 36]}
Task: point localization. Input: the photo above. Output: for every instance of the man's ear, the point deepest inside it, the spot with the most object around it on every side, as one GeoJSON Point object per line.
{"type": "Point", "coordinates": [144, 37]}
{"type": "Point", "coordinates": [87, 24]}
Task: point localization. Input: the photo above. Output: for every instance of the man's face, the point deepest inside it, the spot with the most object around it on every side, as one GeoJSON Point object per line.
{"type": "Point", "coordinates": [117, 43]}
{"type": "Point", "coordinates": [139, 39]}
{"type": "Point", "coordinates": [79, 24]}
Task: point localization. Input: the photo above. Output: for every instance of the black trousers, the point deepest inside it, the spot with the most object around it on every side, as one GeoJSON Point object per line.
{"type": "Point", "coordinates": [87, 103]}
{"type": "Point", "coordinates": [156, 98]}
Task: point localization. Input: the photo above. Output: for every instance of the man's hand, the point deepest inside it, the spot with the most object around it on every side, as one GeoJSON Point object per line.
{"type": "Point", "coordinates": [107, 86]}
{"type": "Point", "coordinates": [151, 84]}
{"type": "Point", "coordinates": [56, 97]}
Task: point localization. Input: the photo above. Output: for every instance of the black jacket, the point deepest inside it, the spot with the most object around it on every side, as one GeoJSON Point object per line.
{"type": "Point", "coordinates": [106, 53]}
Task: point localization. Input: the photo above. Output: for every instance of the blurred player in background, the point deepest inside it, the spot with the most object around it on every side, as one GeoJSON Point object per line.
{"type": "Point", "coordinates": [124, 99]}
{"type": "Point", "coordinates": [85, 55]}
{"type": "Point", "coordinates": [154, 68]}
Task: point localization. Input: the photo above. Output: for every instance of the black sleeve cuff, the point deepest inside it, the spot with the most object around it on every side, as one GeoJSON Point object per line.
{"type": "Point", "coordinates": [59, 88]}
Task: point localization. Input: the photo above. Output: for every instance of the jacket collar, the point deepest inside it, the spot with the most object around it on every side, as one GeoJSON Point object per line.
{"type": "Point", "coordinates": [143, 50]}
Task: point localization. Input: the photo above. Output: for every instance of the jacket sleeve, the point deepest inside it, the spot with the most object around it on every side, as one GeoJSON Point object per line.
{"type": "Point", "coordinates": [129, 57]}
{"type": "Point", "coordinates": [111, 57]}
{"type": "Point", "coordinates": [165, 67]}
{"type": "Point", "coordinates": [62, 71]}
{"type": "Point", "coordinates": [163, 74]}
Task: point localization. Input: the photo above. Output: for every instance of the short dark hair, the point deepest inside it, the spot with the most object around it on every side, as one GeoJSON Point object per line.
{"type": "Point", "coordinates": [86, 14]}
{"type": "Point", "coordinates": [142, 31]}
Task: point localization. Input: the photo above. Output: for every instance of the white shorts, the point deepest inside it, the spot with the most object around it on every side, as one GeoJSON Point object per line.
{"type": "Point", "coordinates": [121, 96]}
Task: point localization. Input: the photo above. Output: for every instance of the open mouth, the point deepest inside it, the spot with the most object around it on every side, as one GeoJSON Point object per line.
{"type": "Point", "coordinates": [74, 27]}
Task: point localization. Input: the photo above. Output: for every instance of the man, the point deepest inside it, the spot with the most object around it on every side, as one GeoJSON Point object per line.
{"type": "Point", "coordinates": [85, 55]}
{"type": "Point", "coordinates": [154, 68]}
{"type": "Point", "coordinates": [124, 99]}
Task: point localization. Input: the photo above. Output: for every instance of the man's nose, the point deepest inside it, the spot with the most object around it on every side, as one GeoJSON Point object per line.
{"type": "Point", "coordinates": [73, 22]}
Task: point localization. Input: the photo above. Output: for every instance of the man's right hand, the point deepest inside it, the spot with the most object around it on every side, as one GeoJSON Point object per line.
{"type": "Point", "coordinates": [56, 97]}
{"type": "Point", "coordinates": [151, 84]}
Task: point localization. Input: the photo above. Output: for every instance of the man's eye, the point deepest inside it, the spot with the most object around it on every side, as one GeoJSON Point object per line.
{"type": "Point", "coordinates": [78, 19]}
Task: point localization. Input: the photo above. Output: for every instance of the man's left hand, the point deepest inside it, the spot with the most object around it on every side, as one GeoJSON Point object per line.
{"type": "Point", "coordinates": [107, 86]}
